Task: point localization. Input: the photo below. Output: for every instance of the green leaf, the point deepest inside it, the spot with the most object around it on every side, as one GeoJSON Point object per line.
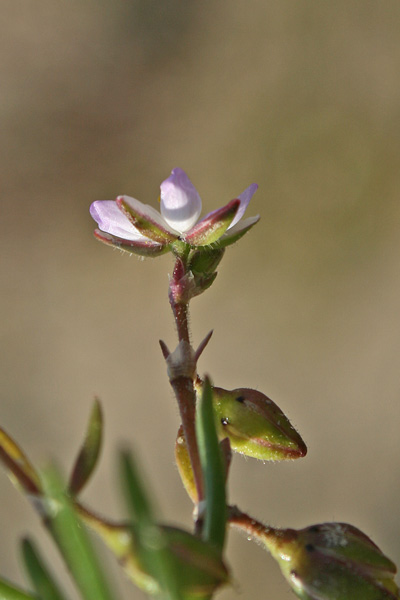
{"type": "Point", "coordinates": [213, 469]}
{"type": "Point", "coordinates": [39, 574]}
{"type": "Point", "coordinates": [152, 544]}
{"type": "Point", "coordinates": [73, 541]}
{"type": "Point", "coordinates": [9, 591]}
{"type": "Point", "coordinates": [90, 451]}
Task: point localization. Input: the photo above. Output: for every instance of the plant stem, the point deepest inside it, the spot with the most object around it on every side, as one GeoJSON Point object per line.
{"type": "Point", "coordinates": [186, 397]}
{"type": "Point", "coordinates": [250, 526]}
{"type": "Point", "coordinates": [183, 383]}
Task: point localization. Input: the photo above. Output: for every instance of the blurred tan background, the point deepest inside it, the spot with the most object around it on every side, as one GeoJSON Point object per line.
{"type": "Point", "coordinates": [103, 98]}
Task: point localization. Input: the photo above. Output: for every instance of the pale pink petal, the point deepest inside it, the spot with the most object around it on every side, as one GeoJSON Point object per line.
{"type": "Point", "coordinates": [244, 198]}
{"type": "Point", "coordinates": [111, 220]}
{"type": "Point", "coordinates": [180, 201]}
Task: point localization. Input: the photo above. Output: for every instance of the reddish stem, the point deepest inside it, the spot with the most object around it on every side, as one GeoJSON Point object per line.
{"type": "Point", "coordinates": [250, 526]}
{"type": "Point", "coordinates": [183, 385]}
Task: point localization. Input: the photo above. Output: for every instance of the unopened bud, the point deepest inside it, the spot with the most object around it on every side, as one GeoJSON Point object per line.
{"type": "Point", "coordinates": [255, 425]}
{"type": "Point", "coordinates": [196, 565]}
{"type": "Point", "coordinates": [333, 561]}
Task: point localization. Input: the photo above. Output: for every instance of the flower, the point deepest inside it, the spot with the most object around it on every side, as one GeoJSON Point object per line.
{"type": "Point", "coordinates": [139, 228]}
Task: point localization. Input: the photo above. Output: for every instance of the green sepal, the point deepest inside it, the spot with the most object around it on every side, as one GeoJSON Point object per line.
{"type": "Point", "coordinates": [237, 232]}
{"type": "Point", "coordinates": [39, 574]}
{"type": "Point", "coordinates": [213, 226]}
{"type": "Point", "coordinates": [146, 220]}
{"type": "Point", "coordinates": [144, 247]}
{"type": "Point", "coordinates": [213, 469]}
{"type": "Point", "coordinates": [88, 456]}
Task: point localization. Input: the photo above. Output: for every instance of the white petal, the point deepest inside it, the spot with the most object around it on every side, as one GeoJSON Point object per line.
{"type": "Point", "coordinates": [180, 201]}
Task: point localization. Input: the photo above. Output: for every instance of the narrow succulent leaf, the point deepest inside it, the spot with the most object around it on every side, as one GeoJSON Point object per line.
{"type": "Point", "coordinates": [73, 541]}
{"type": "Point", "coordinates": [213, 226]}
{"type": "Point", "coordinates": [8, 591]}
{"type": "Point", "coordinates": [142, 247]}
{"type": "Point", "coordinates": [88, 456]}
{"type": "Point", "coordinates": [213, 469]}
{"type": "Point", "coordinates": [146, 220]}
{"type": "Point", "coordinates": [237, 231]}
{"type": "Point", "coordinates": [20, 469]}
{"type": "Point", "coordinates": [136, 497]}
{"type": "Point", "coordinates": [39, 573]}
{"type": "Point", "coordinates": [255, 425]}
{"type": "Point", "coordinates": [151, 544]}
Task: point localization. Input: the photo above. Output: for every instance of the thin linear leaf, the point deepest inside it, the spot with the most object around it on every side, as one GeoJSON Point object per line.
{"type": "Point", "coordinates": [8, 591]}
{"type": "Point", "coordinates": [151, 540]}
{"type": "Point", "coordinates": [73, 541]}
{"type": "Point", "coordinates": [39, 574]}
{"type": "Point", "coordinates": [87, 458]}
{"type": "Point", "coordinates": [213, 469]}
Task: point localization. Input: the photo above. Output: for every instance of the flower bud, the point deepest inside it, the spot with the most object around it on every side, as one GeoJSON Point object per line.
{"type": "Point", "coordinates": [205, 260]}
{"type": "Point", "coordinates": [255, 425]}
{"type": "Point", "coordinates": [332, 561]}
{"type": "Point", "coordinates": [198, 567]}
